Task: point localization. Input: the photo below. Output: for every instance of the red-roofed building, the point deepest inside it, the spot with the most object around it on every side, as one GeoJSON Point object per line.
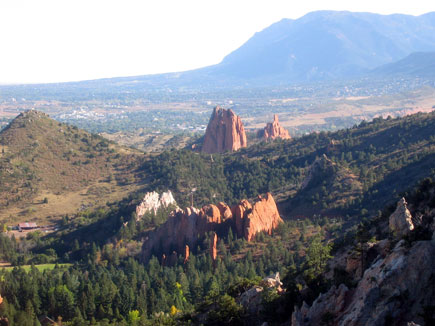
{"type": "Point", "coordinates": [27, 226]}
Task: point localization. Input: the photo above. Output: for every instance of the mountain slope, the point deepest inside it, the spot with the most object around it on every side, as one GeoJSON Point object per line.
{"type": "Point", "coordinates": [418, 64]}
{"type": "Point", "coordinates": [42, 158]}
{"type": "Point", "coordinates": [327, 44]}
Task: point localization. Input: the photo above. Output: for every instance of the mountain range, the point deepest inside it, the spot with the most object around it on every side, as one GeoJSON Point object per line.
{"type": "Point", "coordinates": [329, 44]}
{"type": "Point", "coordinates": [322, 45]}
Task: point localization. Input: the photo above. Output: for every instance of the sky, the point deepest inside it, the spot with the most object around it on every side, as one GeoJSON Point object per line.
{"type": "Point", "coordinates": [59, 40]}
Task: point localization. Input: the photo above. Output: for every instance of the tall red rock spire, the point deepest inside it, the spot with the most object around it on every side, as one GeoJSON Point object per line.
{"type": "Point", "coordinates": [186, 254]}
{"type": "Point", "coordinates": [213, 246]}
{"type": "Point", "coordinates": [225, 132]}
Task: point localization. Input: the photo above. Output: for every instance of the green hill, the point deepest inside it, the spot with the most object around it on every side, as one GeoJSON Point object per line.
{"type": "Point", "coordinates": [49, 168]}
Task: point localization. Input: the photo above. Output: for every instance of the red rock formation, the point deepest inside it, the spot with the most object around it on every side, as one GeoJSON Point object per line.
{"type": "Point", "coordinates": [225, 132]}
{"type": "Point", "coordinates": [225, 211]}
{"type": "Point", "coordinates": [274, 130]}
{"type": "Point", "coordinates": [263, 217]}
{"type": "Point", "coordinates": [213, 248]}
{"type": "Point", "coordinates": [211, 214]}
{"type": "Point", "coordinates": [1, 299]}
{"type": "Point", "coordinates": [240, 211]}
{"type": "Point", "coordinates": [186, 254]}
{"type": "Point", "coordinates": [183, 228]}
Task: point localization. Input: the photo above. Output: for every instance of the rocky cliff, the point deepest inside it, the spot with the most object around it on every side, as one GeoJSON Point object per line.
{"type": "Point", "coordinates": [397, 282]}
{"type": "Point", "coordinates": [274, 130]}
{"type": "Point", "coordinates": [184, 227]}
{"type": "Point", "coordinates": [395, 290]}
{"type": "Point", "coordinates": [225, 132]}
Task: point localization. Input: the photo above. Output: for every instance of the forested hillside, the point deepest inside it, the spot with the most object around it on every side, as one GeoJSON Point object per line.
{"type": "Point", "coordinates": [373, 160]}
{"type": "Point", "coordinates": [334, 192]}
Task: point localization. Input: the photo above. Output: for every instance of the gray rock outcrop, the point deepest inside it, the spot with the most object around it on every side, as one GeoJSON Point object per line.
{"type": "Point", "coordinates": [396, 288]}
{"type": "Point", "coordinates": [400, 221]}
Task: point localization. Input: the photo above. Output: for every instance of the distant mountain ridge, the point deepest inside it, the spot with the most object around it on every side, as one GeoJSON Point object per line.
{"type": "Point", "coordinates": [418, 64]}
{"type": "Point", "coordinates": [329, 44]}
{"type": "Point", "coordinates": [321, 45]}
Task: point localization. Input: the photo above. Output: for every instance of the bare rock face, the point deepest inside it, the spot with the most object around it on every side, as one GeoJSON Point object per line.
{"type": "Point", "coordinates": [396, 288]}
{"type": "Point", "coordinates": [183, 227]}
{"type": "Point", "coordinates": [273, 130]}
{"type": "Point", "coordinates": [332, 302]}
{"type": "Point", "coordinates": [241, 211]}
{"type": "Point", "coordinates": [263, 217]}
{"type": "Point", "coordinates": [225, 210]}
{"type": "Point", "coordinates": [225, 132]}
{"type": "Point", "coordinates": [152, 201]}
{"type": "Point", "coordinates": [211, 214]}
{"type": "Point", "coordinates": [401, 220]}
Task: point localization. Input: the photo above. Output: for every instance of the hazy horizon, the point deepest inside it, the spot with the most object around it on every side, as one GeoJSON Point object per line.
{"type": "Point", "coordinates": [54, 41]}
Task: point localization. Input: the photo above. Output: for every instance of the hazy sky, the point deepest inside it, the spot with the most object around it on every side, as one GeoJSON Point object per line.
{"type": "Point", "coordinates": [58, 40]}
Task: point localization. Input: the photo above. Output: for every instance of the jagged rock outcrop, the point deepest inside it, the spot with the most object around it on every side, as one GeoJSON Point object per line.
{"type": "Point", "coordinates": [273, 281]}
{"type": "Point", "coordinates": [152, 201]}
{"type": "Point", "coordinates": [262, 216]}
{"type": "Point", "coordinates": [213, 246]}
{"type": "Point", "coordinates": [252, 299]}
{"type": "Point", "coordinates": [225, 132]}
{"type": "Point", "coordinates": [183, 227]}
{"type": "Point", "coordinates": [400, 221]}
{"type": "Point", "coordinates": [396, 289]}
{"type": "Point", "coordinates": [274, 130]}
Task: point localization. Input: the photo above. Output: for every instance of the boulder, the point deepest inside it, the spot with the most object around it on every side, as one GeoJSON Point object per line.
{"type": "Point", "coordinates": [400, 221]}
{"type": "Point", "coordinates": [225, 132]}
{"type": "Point", "coordinates": [273, 281]}
{"type": "Point", "coordinates": [273, 130]}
